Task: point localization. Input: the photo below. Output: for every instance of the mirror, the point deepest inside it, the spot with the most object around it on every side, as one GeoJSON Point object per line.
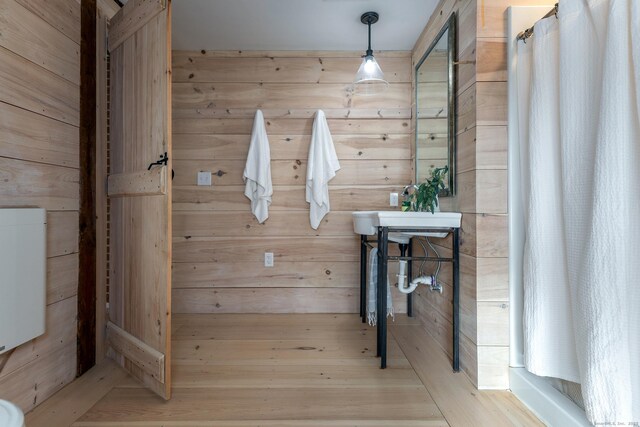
{"type": "Point", "coordinates": [436, 109]}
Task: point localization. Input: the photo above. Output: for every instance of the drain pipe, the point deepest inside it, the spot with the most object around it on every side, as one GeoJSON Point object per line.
{"type": "Point", "coordinates": [421, 280]}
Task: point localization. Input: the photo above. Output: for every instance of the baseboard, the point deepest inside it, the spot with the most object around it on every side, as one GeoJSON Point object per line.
{"type": "Point", "coordinates": [551, 406]}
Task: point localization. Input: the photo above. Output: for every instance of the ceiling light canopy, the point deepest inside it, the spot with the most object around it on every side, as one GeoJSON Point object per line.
{"type": "Point", "coordinates": [369, 78]}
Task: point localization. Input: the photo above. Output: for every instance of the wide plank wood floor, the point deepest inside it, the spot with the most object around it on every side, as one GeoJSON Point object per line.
{"type": "Point", "coordinates": [289, 370]}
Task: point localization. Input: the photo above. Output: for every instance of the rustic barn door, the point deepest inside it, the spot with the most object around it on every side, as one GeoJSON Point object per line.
{"type": "Point", "coordinates": [139, 190]}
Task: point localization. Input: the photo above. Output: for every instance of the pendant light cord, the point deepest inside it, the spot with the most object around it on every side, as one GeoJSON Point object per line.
{"type": "Point", "coordinates": [369, 51]}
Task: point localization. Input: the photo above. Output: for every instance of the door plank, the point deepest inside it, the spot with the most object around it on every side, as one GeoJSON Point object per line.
{"type": "Point", "coordinates": [133, 16]}
{"type": "Point", "coordinates": [140, 232]}
{"type": "Point", "coordinates": [142, 355]}
{"type": "Point", "coordinates": [146, 183]}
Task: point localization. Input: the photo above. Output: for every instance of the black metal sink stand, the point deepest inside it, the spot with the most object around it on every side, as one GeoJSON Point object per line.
{"type": "Point", "coordinates": [383, 258]}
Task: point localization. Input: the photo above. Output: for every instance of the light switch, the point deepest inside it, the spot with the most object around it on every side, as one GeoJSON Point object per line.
{"type": "Point", "coordinates": [204, 178]}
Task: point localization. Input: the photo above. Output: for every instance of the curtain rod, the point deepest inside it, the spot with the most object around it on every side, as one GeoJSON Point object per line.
{"type": "Point", "coordinates": [524, 35]}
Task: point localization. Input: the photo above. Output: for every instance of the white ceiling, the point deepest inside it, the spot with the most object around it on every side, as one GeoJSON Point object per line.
{"type": "Point", "coordinates": [297, 24]}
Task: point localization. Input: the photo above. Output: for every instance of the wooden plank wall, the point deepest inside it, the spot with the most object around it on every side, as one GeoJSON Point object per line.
{"type": "Point", "coordinates": [219, 247]}
{"type": "Point", "coordinates": [482, 191]}
{"type": "Point", "coordinates": [39, 167]}
{"type": "Point", "coordinates": [491, 193]}
{"type": "Point", "coordinates": [434, 309]}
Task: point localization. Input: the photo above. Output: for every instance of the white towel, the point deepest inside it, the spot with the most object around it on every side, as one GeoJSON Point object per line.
{"type": "Point", "coordinates": [372, 292]}
{"type": "Point", "coordinates": [321, 168]}
{"type": "Point", "coordinates": [257, 171]}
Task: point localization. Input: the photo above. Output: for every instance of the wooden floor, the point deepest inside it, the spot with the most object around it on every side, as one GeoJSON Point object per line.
{"type": "Point", "coordinates": [287, 370]}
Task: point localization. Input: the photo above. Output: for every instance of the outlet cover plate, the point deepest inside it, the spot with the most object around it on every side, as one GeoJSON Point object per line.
{"type": "Point", "coordinates": [268, 259]}
{"type": "Point", "coordinates": [204, 178]}
{"type": "Point", "coordinates": [393, 199]}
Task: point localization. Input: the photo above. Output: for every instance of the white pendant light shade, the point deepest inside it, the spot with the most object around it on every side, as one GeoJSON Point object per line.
{"type": "Point", "coordinates": [369, 78]}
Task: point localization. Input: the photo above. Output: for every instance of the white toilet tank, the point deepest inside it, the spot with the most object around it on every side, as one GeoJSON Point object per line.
{"type": "Point", "coordinates": [10, 415]}
{"type": "Point", "coordinates": [23, 274]}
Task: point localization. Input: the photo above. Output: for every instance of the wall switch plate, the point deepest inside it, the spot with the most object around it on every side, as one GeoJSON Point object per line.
{"type": "Point", "coordinates": [393, 199]}
{"type": "Point", "coordinates": [268, 259]}
{"type": "Point", "coordinates": [204, 178]}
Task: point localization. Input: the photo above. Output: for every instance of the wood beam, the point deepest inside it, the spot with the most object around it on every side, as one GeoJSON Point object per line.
{"type": "Point", "coordinates": [86, 347]}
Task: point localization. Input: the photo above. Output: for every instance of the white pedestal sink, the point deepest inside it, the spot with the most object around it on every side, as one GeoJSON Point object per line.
{"type": "Point", "coordinates": [367, 222]}
{"type": "Point", "coordinates": [399, 227]}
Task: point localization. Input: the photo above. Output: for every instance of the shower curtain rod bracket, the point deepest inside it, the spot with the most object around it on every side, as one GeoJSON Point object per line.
{"type": "Point", "coordinates": [524, 35]}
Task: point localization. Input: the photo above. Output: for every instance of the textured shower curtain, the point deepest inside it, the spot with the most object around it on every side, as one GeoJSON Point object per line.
{"type": "Point", "coordinates": [580, 158]}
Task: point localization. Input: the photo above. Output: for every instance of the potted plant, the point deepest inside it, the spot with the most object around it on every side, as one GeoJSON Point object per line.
{"type": "Point", "coordinates": [425, 196]}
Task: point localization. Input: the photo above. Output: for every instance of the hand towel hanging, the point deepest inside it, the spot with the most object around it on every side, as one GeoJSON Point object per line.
{"type": "Point", "coordinates": [257, 171]}
{"type": "Point", "coordinates": [322, 166]}
{"type": "Point", "coordinates": [372, 291]}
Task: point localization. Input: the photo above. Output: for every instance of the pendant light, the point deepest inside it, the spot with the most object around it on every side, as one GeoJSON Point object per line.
{"type": "Point", "coordinates": [369, 78]}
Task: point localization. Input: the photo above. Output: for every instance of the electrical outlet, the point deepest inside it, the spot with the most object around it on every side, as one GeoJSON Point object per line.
{"type": "Point", "coordinates": [204, 178]}
{"type": "Point", "coordinates": [268, 259]}
{"type": "Point", "coordinates": [393, 199]}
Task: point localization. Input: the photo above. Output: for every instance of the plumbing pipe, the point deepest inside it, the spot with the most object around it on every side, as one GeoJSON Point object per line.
{"type": "Point", "coordinates": [402, 277]}
{"type": "Point", "coordinates": [422, 280]}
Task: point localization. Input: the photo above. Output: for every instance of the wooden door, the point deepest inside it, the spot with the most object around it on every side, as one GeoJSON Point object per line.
{"type": "Point", "coordinates": [139, 326]}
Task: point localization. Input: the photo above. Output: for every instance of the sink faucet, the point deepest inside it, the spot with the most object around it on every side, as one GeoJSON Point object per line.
{"type": "Point", "coordinates": [407, 196]}
{"type": "Point", "coordinates": [405, 190]}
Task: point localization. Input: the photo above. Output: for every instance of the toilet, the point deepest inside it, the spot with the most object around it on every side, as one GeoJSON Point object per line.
{"type": "Point", "coordinates": [10, 415]}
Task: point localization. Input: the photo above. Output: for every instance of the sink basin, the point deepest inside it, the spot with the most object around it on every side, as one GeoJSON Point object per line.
{"type": "Point", "coordinates": [367, 222]}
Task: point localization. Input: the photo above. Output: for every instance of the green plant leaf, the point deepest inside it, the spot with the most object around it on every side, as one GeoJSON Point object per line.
{"type": "Point", "coordinates": [425, 197]}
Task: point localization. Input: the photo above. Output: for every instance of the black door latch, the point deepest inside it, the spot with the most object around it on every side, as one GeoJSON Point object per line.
{"type": "Point", "coordinates": [164, 158]}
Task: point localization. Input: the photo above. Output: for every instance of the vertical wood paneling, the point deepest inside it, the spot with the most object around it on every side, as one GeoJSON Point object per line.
{"type": "Point", "coordinates": [39, 166]}
{"type": "Point", "coordinates": [140, 227]}
{"type": "Point", "coordinates": [215, 97]}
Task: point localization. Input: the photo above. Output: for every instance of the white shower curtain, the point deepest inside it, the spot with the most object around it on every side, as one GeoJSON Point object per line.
{"type": "Point", "coordinates": [581, 179]}
{"type": "Point", "coordinates": [547, 314]}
